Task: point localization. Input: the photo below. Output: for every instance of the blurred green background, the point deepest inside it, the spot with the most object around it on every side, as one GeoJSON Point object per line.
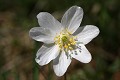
{"type": "Point", "coordinates": [18, 50]}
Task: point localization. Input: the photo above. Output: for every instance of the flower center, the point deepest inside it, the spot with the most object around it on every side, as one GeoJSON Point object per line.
{"type": "Point", "coordinates": [65, 40]}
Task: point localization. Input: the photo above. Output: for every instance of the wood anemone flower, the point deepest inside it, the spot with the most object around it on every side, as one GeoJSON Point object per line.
{"type": "Point", "coordinates": [63, 41]}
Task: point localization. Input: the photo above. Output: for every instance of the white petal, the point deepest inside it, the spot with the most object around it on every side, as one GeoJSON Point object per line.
{"type": "Point", "coordinates": [41, 34]}
{"type": "Point", "coordinates": [47, 53]}
{"type": "Point", "coordinates": [72, 18]}
{"type": "Point", "coordinates": [82, 55]}
{"type": "Point", "coordinates": [88, 33]}
{"type": "Point", "coordinates": [46, 20]}
{"type": "Point", "coordinates": [61, 63]}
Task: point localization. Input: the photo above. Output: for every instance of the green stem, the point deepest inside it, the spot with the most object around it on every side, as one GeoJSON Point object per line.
{"type": "Point", "coordinates": [65, 76]}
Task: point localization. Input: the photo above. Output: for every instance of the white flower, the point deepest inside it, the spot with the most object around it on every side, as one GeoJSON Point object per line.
{"type": "Point", "coordinates": [63, 41]}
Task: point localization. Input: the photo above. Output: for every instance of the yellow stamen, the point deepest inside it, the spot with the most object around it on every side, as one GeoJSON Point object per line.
{"type": "Point", "coordinates": [70, 48]}
{"type": "Point", "coordinates": [66, 46]}
{"type": "Point", "coordinates": [65, 40]}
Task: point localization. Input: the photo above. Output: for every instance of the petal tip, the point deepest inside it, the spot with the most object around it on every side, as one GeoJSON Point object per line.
{"type": "Point", "coordinates": [96, 29]}
{"type": "Point", "coordinates": [40, 14]}
{"type": "Point", "coordinates": [88, 60]}
{"type": "Point", "coordinates": [30, 33]}
{"type": "Point", "coordinates": [39, 62]}
{"type": "Point", "coordinates": [76, 6]}
{"type": "Point", "coordinates": [59, 73]}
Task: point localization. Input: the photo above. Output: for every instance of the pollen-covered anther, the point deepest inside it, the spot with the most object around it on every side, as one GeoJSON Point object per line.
{"type": "Point", "coordinates": [65, 46]}
{"type": "Point", "coordinates": [65, 40]}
